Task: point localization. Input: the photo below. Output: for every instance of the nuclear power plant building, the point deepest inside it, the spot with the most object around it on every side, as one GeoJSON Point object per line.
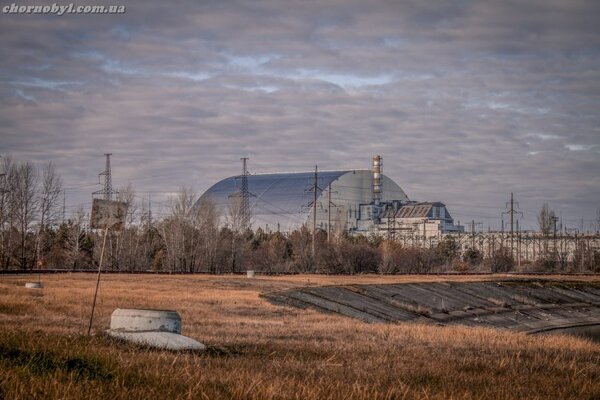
{"type": "Point", "coordinates": [355, 201]}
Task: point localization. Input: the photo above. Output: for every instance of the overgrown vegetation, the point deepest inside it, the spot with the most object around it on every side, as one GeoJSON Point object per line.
{"type": "Point", "coordinates": [500, 260]}
{"type": "Point", "coordinates": [187, 239]}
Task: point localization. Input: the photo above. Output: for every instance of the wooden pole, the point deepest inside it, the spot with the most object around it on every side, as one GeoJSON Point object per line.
{"type": "Point", "coordinates": [314, 224]}
{"type": "Point", "coordinates": [97, 281]}
{"type": "Point", "coordinates": [329, 214]}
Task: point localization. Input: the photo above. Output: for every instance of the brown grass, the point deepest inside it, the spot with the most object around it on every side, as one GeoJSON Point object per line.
{"type": "Point", "coordinates": [261, 351]}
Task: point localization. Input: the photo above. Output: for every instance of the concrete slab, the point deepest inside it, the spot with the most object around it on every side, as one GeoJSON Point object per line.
{"type": "Point", "coordinates": [519, 305]}
{"type": "Point", "coordinates": [327, 305]}
{"type": "Point", "coordinates": [159, 340]}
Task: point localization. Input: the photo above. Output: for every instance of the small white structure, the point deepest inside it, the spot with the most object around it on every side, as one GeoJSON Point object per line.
{"type": "Point", "coordinates": [250, 273]}
{"type": "Point", "coordinates": [33, 285]}
{"type": "Point", "coordinates": [160, 329]}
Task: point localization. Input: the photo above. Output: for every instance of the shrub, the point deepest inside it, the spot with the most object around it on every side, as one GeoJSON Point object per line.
{"type": "Point", "coordinates": [398, 259]}
{"type": "Point", "coordinates": [448, 249]}
{"type": "Point", "coordinates": [460, 266]}
{"type": "Point", "coordinates": [359, 258]}
{"type": "Point", "coordinates": [544, 264]}
{"type": "Point", "coordinates": [472, 257]}
{"type": "Point", "coordinates": [499, 260]}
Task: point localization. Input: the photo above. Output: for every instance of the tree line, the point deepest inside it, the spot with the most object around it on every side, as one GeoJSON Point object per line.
{"type": "Point", "coordinates": [35, 234]}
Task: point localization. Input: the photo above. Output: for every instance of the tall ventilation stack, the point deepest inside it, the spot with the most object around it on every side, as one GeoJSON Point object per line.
{"type": "Point", "coordinates": [377, 170]}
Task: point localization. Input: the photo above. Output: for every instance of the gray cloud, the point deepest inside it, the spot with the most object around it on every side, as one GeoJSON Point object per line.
{"type": "Point", "coordinates": [466, 101]}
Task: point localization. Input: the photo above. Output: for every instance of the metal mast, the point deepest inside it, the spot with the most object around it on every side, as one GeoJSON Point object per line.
{"type": "Point", "coordinates": [329, 214]}
{"type": "Point", "coordinates": [108, 189]}
{"type": "Point", "coordinates": [512, 213]}
{"type": "Point", "coordinates": [314, 188]}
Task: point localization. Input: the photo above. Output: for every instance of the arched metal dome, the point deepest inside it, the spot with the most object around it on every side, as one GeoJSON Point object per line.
{"type": "Point", "coordinates": [283, 201]}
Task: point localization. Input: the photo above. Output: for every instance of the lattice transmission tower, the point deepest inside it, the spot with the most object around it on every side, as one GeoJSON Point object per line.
{"type": "Point", "coordinates": [107, 191]}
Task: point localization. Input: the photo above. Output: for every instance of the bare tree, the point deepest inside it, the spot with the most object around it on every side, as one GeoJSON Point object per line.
{"type": "Point", "coordinates": [147, 235]}
{"type": "Point", "coordinates": [546, 218]}
{"type": "Point", "coordinates": [235, 215]}
{"type": "Point", "coordinates": [5, 216]}
{"type": "Point", "coordinates": [236, 221]}
{"type": "Point", "coordinates": [75, 236]}
{"type": "Point", "coordinates": [24, 205]}
{"type": "Point", "coordinates": [48, 200]}
{"type": "Point", "coordinates": [180, 232]}
{"type": "Point", "coordinates": [126, 242]}
{"type": "Point", "coordinates": [208, 223]}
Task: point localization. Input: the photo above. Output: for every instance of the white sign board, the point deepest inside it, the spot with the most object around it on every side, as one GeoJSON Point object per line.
{"type": "Point", "coordinates": [108, 214]}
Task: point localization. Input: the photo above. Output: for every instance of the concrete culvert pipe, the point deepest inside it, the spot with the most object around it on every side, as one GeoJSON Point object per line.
{"type": "Point", "coordinates": [134, 320]}
{"type": "Point", "coordinates": [33, 285]}
{"type": "Point", "coordinates": [154, 328]}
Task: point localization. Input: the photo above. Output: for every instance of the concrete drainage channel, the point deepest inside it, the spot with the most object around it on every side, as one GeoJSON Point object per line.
{"type": "Point", "coordinates": [531, 306]}
{"type": "Point", "coordinates": [160, 329]}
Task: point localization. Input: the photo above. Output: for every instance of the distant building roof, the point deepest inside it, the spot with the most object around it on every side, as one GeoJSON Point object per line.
{"type": "Point", "coordinates": [416, 210]}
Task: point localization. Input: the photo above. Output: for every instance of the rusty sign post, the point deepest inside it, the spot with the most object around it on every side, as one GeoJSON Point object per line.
{"type": "Point", "coordinates": [106, 214]}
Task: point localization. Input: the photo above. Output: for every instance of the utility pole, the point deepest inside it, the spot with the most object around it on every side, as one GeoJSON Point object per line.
{"type": "Point", "coordinates": [511, 220]}
{"type": "Point", "coordinates": [554, 221]}
{"type": "Point", "coordinates": [148, 229]}
{"type": "Point", "coordinates": [244, 211]}
{"type": "Point", "coordinates": [329, 215]}
{"type": "Point", "coordinates": [329, 204]}
{"type": "Point", "coordinates": [108, 192]}
{"type": "Point", "coordinates": [149, 210]}
{"type": "Point", "coordinates": [314, 188]}
{"type": "Point", "coordinates": [314, 227]}
{"type": "Point", "coordinates": [245, 195]}
{"type": "Point", "coordinates": [149, 214]}
{"type": "Point", "coordinates": [502, 232]}
{"type": "Point", "coordinates": [474, 225]}
{"type": "Point", "coordinates": [512, 213]}
{"type": "Point", "coordinates": [64, 205]}
{"type": "Point", "coordinates": [108, 189]}
{"type": "Point", "coordinates": [518, 246]}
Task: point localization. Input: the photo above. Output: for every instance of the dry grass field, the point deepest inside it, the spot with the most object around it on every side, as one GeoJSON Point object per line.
{"type": "Point", "coordinates": [262, 351]}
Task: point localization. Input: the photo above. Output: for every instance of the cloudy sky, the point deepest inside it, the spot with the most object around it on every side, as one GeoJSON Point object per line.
{"type": "Point", "coordinates": [465, 100]}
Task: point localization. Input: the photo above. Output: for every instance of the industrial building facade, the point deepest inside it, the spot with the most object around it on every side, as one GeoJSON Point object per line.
{"type": "Point", "coordinates": [353, 201]}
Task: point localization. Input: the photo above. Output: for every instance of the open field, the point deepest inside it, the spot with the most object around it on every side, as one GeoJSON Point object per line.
{"type": "Point", "coordinates": [262, 351]}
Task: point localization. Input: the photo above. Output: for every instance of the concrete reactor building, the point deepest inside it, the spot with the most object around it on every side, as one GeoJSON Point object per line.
{"type": "Point", "coordinates": [353, 201]}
